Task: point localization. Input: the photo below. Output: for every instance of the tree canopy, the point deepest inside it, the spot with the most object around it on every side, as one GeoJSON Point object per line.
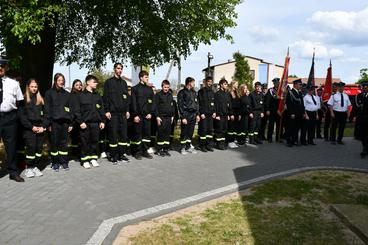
{"type": "Point", "coordinates": [242, 70]}
{"type": "Point", "coordinates": [146, 32]}
{"type": "Point", "coordinates": [363, 76]}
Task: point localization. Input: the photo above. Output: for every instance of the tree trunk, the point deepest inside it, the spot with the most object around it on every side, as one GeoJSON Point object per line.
{"type": "Point", "coordinates": [36, 61]}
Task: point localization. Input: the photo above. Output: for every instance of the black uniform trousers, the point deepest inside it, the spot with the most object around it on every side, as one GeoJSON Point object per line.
{"type": "Point", "coordinates": [243, 128]}
{"type": "Point", "coordinates": [163, 134]}
{"type": "Point", "coordinates": [89, 142]}
{"type": "Point", "coordinates": [319, 124]}
{"type": "Point", "coordinates": [273, 119]}
{"type": "Point", "coordinates": [234, 129]}
{"type": "Point", "coordinates": [75, 140]}
{"type": "Point", "coordinates": [117, 131]}
{"type": "Point", "coordinates": [303, 131]}
{"type": "Point", "coordinates": [8, 133]}
{"type": "Point", "coordinates": [338, 121]}
{"type": "Point", "coordinates": [310, 129]}
{"type": "Point", "coordinates": [262, 129]}
{"type": "Point", "coordinates": [187, 131]}
{"type": "Point", "coordinates": [221, 127]}
{"type": "Point", "coordinates": [59, 142]}
{"type": "Point", "coordinates": [205, 130]}
{"type": "Point", "coordinates": [34, 144]}
{"type": "Point", "coordinates": [102, 141]}
{"type": "Point", "coordinates": [141, 137]}
{"type": "Point", "coordinates": [327, 124]}
{"type": "Point", "coordinates": [255, 124]}
{"type": "Point", "coordinates": [292, 128]}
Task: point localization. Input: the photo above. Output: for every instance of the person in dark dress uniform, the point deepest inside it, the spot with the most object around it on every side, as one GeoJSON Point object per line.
{"type": "Point", "coordinates": [360, 117]}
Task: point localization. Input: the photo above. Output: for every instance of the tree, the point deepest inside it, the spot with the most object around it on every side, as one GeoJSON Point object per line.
{"type": "Point", "coordinates": [101, 76]}
{"type": "Point", "coordinates": [242, 70]}
{"type": "Point", "coordinates": [38, 33]}
{"type": "Point", "coordinates": [363, 76]}
{"type": "Point", "coordinates": [293, 76]}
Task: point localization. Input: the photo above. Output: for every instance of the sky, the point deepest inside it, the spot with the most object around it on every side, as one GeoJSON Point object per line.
{"type": "Point", "coordinates": [337, 29]}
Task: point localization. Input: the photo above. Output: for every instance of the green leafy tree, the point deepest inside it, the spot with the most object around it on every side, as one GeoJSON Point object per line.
{"type": "Point", "coordinates": [102, 76]}
{"type": "Point", "coordinates": [293, 76]}
{"type": "Point", "coordinates": [363, 76]}
{"type": "Point", "coordinates": [242, 70]}
{"type": "Point", "coordinates": [37, 33]}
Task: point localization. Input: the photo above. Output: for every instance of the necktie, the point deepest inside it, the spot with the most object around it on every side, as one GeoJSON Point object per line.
{"type": "Point", "coordinates": [342, 100]}
{"type": "Point", "coordinates": [314, 101]}
{"type": "Point", "coordinates": [1, 90]}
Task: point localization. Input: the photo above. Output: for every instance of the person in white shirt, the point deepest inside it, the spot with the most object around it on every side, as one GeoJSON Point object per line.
{"type": "Point", "coordinates": [312, 104]}
{"type": "Point", "coordinates": [339, 107]}
{"type": "Point", "coordinates": [10, 96]}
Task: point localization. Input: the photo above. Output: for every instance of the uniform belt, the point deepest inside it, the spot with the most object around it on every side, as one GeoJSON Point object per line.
{"type": "Point", "coordinates": [7, 112]}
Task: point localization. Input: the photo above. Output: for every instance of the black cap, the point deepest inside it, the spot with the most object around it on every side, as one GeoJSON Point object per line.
{"type": "Point", "coordinates": [335, 84]}
{"type": "Point", "coordinates": [264, 85]}
{"type": "Point", "coordinates": [364, 84]}
{"type": "Point", "coordinates": [276, 80]}
{"type": "Point", "coordinates": [257, 84]}
{"type": "Point", "coordinates": [340, 84]}
{"type": "Point", "coordinates": [297, 81]}
{"type": "Point", "coordinates": [3, 60]}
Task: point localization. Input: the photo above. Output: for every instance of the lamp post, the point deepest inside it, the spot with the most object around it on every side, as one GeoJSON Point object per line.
{"type": "Point", "coordinates": [209, 58]}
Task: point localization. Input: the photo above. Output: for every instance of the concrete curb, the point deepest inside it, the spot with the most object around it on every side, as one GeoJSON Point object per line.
{"type": "Point", "coordinates": [107, 225]}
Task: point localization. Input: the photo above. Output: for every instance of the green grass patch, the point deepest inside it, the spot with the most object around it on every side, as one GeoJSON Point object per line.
{"type": "Point", "coordinates": [293, 210]}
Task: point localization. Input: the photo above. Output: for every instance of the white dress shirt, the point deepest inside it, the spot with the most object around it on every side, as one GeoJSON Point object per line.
{"type": "Point", "coordinates": [309, 103]}
{"type": "Point", "coordinates": [335, 102]}
{"type": "Point", "coordinates": [11, 94]}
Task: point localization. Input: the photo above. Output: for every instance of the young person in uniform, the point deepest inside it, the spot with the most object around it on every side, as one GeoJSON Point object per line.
{"type": "Point", "coordinates": [34, 125]}
{"type": "Point", "coordinates": [142, 109]}
{"type": "Point", "coordinates": [223, 114]}
{"type": "Point", "coordinates": [164, 113]}
{"type": "Point", "coordinates": [246, 109]}
{"type": "Point", "coordinates": [59, 113]}
{"type": "Point", "coordinates": [116, 105]}
{"type": "Point", "coordinates": [256, 98]}
{"type": "Point", "coordinates": [233, 128]}
{"type": "Point", "coordinates": [189, 115]}
{"type": "Point", "coordinates": [90, 117]}
{"type": "Point", "coordinates": [74, 134]}
{"type": "Point", "coordinates": [206, 102]}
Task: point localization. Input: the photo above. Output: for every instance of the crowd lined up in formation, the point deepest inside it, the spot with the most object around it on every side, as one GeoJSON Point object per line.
{"type": "Point", "coordinates": [124, 121]}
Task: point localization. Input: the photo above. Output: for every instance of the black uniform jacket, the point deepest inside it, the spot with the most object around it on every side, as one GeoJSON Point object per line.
{"type": "Point", "coordinates": [187, 103]}
{"type": "Point", "coordinates": [116, 96]}
{"type": "Point", "coordinates": [89, 108]}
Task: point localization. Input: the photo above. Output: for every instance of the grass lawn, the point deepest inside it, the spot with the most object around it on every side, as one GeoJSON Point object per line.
{"type": "Point", "coordinates": [293, 210]}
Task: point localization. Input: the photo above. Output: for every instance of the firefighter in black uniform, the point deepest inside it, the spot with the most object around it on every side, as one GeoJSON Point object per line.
{"type": "Point", "coordinates": [174, 123]}
{"type": "Point", "coordinates": [246, 109]}
{"type": "Point", "coordinates": [74, 134]}
{"type": "Point", "coordinates": [295, 112]}
{"type": "Point", "coordinates": [256, 98]}
{"type": "Point", "coordinates": [142, 109]}
{"type": "Point", "coordinates": [233, 127]}
{"type": "Point", "coordinates": [271, 108]}
{"type": "Point", "coordinates": [116, 104]}
{"type": "Point", "coordinates": [360, 113]}
{"type": "Point", "coordinates": [33, 124]}
{"type": "Point", "coordinates": [206, 101]}
{"type": "Point", "coordinates": [164, 112]}
{"type": "Point", "coordinates": [265, 118]}
{"type": "Point", "coordinates": [90, 117]}
{"type": "Point", "coordinates": [188, 111]}
{"type": "Point", "coordinates": [223, 114]}
{"type": "Point", "coordinates": [59, 112]}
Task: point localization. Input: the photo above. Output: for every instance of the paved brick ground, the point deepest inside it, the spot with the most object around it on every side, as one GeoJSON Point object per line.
{"type": "Point", "coordinates": [67, 207]}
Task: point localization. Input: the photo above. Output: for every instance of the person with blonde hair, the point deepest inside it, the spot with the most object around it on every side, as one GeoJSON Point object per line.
{"type": "Point", "coordinates": [34, 124]}
{"type": "Point", "coordinates": [233, 131]}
